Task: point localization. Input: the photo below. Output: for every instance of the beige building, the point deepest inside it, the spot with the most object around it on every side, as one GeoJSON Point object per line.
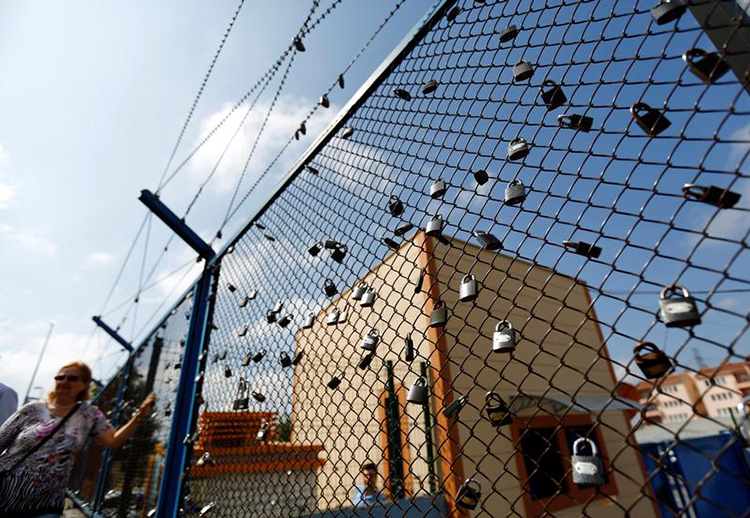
{"type": "Point", "coordinates": [523, 468]}
{"type": "Point", "coordinates": [711, 392]}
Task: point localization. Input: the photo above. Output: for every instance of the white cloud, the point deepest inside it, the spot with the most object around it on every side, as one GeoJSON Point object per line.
{"type": "Point", "coordinates": [4, 156]}
{"type": "Point", "coordinates": [29, 239]}
{"type": "Point", "coordinates": [7, 195]}
{"type": "Point", "coordinates": [285, 119]}
{"type": "Point", "coordinates": [100, 259]}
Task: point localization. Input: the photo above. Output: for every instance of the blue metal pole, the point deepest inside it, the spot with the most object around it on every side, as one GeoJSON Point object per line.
{"type": "Point", "coordinates": [114, 334]}
{"type": "Point", "coordinates": [184, 406]}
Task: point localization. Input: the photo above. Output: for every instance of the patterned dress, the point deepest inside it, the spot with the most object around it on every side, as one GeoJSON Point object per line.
{"type": "Point", "coordinates": [38, 485]}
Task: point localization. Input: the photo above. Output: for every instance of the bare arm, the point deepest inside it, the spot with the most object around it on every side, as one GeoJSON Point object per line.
{"type": "Point", "coordinates": [115, 438]}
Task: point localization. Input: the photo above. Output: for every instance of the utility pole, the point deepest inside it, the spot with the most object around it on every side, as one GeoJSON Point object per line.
{"type": "Point", "coordinates": [36, 369]}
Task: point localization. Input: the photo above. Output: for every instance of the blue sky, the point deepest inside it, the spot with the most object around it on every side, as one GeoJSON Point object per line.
{"type": "Point", "coordinates": [93, 98]}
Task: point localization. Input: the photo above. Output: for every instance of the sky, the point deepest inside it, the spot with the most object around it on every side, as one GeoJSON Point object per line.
{"type": "Point", "coordinates": [93, 98]}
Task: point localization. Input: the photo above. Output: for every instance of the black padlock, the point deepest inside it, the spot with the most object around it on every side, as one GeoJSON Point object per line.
{"type": "Point", "coordinates": [314, 249]}
{"type": "Point", "coordinates": [341, 81]}
{"type": "Point", "coordinates": [587, 469]}
{"type": "Point", "coordinates": [330, 288]}
{"type": "Point", "coordinates": [722, 198]}
{"type": "Point", "coordinates": [298, 358]}
{"type": "Point", "coordinates": [481, 177]}
{"type": "Point", "coordinates": [497, 411]}
{"type": "Point", "coordinates": [303, 128]}
{"type": "Point", "coordinates": [336, 380]}
{"type": "Point", "coordinates": [420, 282]}
{"type": "Point", "coordinates": [454, 408]}
{"type": "Point", "coordinates": [298, 45]}
{"type": "Point", "coordinates": [395, 207]}
{"type": "Point", "coordinates": [359, 290]}
{"type": "Point", "coordinates": [285, 321]}
{"type": "Point", "coordinates": [401, 230]}
{"type": "Point", "coordinates": [309, 321]}
{"type": "Point", "coordinates": [552, 95]}
{"type": "Point", "coordinates": [260, 398]}
{"type": "Point", "coordinates": [434, 226]}
{"type": "Point", "coordinates": [678, 311]}
{"type": "Point", "coordinates": [508, 34]}
{"type": "Point", "coordinates": [402, 94]}
{"type": "Point", "coordinates": [408, 349]}
{"type": "Point", "coordinates": [390, 243]}
{"type": "Point", "coordinates": [366, 360]}
{"type": "Point", "coordinates": [338, 253]}
{"type": "Point", "coordinates": [371, 340]}
{"type": "Point", "coordinates": [652, 361]}
{"type": "Point", "coordinates": [708, 66]}
{"type": "Point", "coordinates": [668, 11]}
{"type": "Point", "coordinates": [515, 192]}
{"type": "Point", "coordinates": [324, 102]}
{"type": "Point", "coordinates": [651, 121]}
{"type": "Point", "coordinates": [469, 494]}
{"type": "Point", "coordinates": [488, 241]}
{"type": "Point", "coordinates": [584, 249]}
{"type": "Point", "coordinates": [368, 299]}
{"type": "Point", "coordinates": [242, 403]}
{"type": "Point", "coordinates": [227, 372]}
{"type": "Point", "coordinates": [231, 287]}
{"type": "Point", "coordinates": [259, 356]}
{"type": "Point", "coordinates": [429, 87]}
{"type": "Point", "coordinates": [518, 148]}
{"type": "Point", "coordinates": [285, 360]}
{"type": "Point", "coordinates": [575, 121]}
{"type": "Point", "coordinates": [439, 315]}
{"type": "Point", "coordinates": [418, 392]}
{"type": "Point", "coordinates": [522, 71]}
{"type": "Point", "coordinates": [453, 14]}
{"type": "Point", "coordinates": [438, 188]}
{"type": "Point", "coordinates": [347, 133]}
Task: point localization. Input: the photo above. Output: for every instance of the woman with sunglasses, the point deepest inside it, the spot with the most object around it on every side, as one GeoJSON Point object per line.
{"type": "Point", "coordinates": [39, 441]}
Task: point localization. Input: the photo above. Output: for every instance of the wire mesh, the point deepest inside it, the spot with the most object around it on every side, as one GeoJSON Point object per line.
{"type": "Point", "coordinates": [436, 314]}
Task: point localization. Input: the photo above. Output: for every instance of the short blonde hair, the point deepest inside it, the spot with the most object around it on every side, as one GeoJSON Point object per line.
{"type": "Point", "coordinates": [85, 372]}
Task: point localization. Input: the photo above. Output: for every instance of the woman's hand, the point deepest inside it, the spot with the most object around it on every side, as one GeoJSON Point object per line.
{"type": "Point", "coordinates": [147, 406]}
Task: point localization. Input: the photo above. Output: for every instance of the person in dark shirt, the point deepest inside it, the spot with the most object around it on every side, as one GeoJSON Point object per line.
{"type": "Point", "coordinates": [367, 494]}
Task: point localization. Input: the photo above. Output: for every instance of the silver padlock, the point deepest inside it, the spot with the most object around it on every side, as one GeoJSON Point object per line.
{"type": "Point", "coordinates": [309, 321]}
{"type": "Point", "coordinates": [522, 71]}
{"type": "Point", "coordinates": [262, 431]}
{"type": "Point", "coordinates": [359, 291]}
{"type": "Point", "coordinates": [468, 289]}
{"type": "Point", "coordinates": [587, 469]}
{"type": "Point", "coordinates": [515, 192]}
{"type": "Point", "coordinates": [435, 226]}
{"type": "Point", "coordinates": [439, 315]}
{"type": "Point", "coordinates": [333, 317]}
{"type": "Point", "coordinates": [487, 240]}
{"type": "Point", "coordinates": [438, 188]}
{"type": "Point", "coordinates": [678, 311]}
{"type": "Point", "coordinates": [418, 392]}
{"type": "Point", "coordinates": [278, 307]}
{"type": "Point", "coordinates": [509, 33]}
{"type": "Point", "coordinates": [371, 340]}
{"type": "Point", "coordinates": [517, 149]}
{"type": "Point", "coordinates": [242, 332]}
{"type": "Point", "coordinates": [368, 299]}
{"type": "Point", "coordinates": [429, 87]}
{"type": "Point", "coordinates": [504, 337]}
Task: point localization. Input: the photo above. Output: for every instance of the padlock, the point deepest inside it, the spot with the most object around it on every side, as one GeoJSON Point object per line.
{"type": "Point", "coordinates": [668, 10]}
{"type": "Point", "coordinates": [481, 177]}
{"type": "Point", "coordinates": [312, 170]}
{"type": "Point", "coordinates": [522, 71]}
{"type": "Point", "coordinates": [439, 315]}
{"type": "Point", "coordinates": [231, 287]}
{"type": "Point", "coordinates": [517, 149]}
{"type": "Point", "coordinates": [314, 249]}
{"type": "Point", "coordinates": [587, 469]}
{"type": "Point", "coordinates": [395, 206]}
{"type": "Point", "coordinates": [259, 356]}
{"type": "Point", "coordinates": [366, 360]}
{"type": "Point", "coordinates": [252, 294]}
{"type": "Point", "coordinates": [206, 509]}
{"type": "Point", "coordinates": [509, 33]}
{"type": "Point", "coordinates": [285, 360]}
{"type": "Point", "coordinates": [678, 311]}
{"type": "Point", "coordinates": [744, 423]}
{"type": "Point", "coordinates": [303, 128]}
{"type": "Point", "coordinates": [468, 290]}
{"type": "Point", "coordinates": [408, 349]}
{"type": "Point", "coordinates": [330, 288]}
{"type": "Point", "coordinates": [285, 321]}
{"type": "Point", "coordinates": [401, 230]}
{"type": "Point", "coordinates": [469, 494]}
{"type": "Point", "coordinates": [575, 121]}
{"type": "Point", "coordinates": [438, 188]}
{"type": "Point", "coordinates": [584, 249]}
{"type": "Point", "coordinates": [309, 321]}
{"type": "Point", "coordinates": [418, 392]}
{"type": "Point", "coordinates": [245, 301]}
{"type": "Point", "coordinates": [262, 431]}
{"type": "Point", "coordinates": [204, 460]}
{"type": "Point", "coordinates": [278, 307]}
{"type": "Point", "coordinates": [402, 94]}
{"type": "Point", "coordinates": [177, 366]}
{"type": "Point", "coordinates": [340, 81]}
{"type": "Point", "coordinates": [504, 337]}
{"type": "Point", "coordinates": [722, 198]}
{"type": "Point", "coordinates": [652, 361]}
{"type": "Point", "coordinates": [242, 403]}
{"type": "Point", "coordinates": [368, 299]}
{"type": "Point", "coordinates": [359, 290]}
{"type": "Point", "coordinates": [497, 411]}
{"type": "Point", "coordinates": [651, 121]}
{"type": "Point", "coordinates": [269, 237]}
{"type": "Point", "coordinates": [246, 360]}
{"type": "Point", "coordinates": [515, 192]}
{"type": "Point", "coordinates": [371, 340]}
{"type": "Point", "coordinates": [260, 398]}
{"type": "Point", "coordinates": [333, 317]}
{"type": "Point", "coordinates": [298, 358]}
{"type": "Point", "coordinates": [347, 133]}
{"type": "Point", "coordinates": [390, 243]}
{"type": "Point", "coordinates": [488, 241]}
{"type": "Point", "coordinates": [324, 102]}
{"type": "Point", "coordinates": [227, 372]}
{"type": "Point", "coordinates": [338, 253]}
{"type": "Point", "coordinates": [336, 380]}
{"type": "Point", "coordinates": [420, 282]}
{"type": "Point", "coordinates": [453, 14]}
{"type": "Point", "coordinates": [453, 409]}
{"type": "Point", "coordinates": [429, 87]}
{"type": "Point", "coordinates": [434, 226]}
{"type": "Point", "coordinates": [298, 45]}
{"type": "Point", "coordinates": [709, 67]}
{"type": "Point", "coordinates": [553, 96]}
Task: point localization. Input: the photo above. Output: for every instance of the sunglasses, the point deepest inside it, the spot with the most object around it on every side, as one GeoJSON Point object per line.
{"type": "Point", "coordinates": [70, 377]}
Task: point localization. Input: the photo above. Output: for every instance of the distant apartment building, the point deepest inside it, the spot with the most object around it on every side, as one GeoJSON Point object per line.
{"type": "Point", "coordinates": [711, 392]}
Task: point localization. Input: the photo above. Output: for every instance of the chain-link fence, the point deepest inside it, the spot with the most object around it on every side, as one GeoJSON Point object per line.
{"type": "Point", "coordinates": [510, 280]}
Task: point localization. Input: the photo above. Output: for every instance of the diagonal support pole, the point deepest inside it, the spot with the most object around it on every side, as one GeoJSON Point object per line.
{"type": "Point", "coordinates": [114, 334]}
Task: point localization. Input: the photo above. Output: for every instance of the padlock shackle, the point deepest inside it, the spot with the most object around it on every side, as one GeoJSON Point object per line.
{"type": "Point", "coordinates": [468, 277]}
{"type": "Point", "coordinates": [581, 440]}
{"type": "Point", "coordinates": [516, 140]}
{"type": "Point", "coordinates": [437, 305]}
{"type": "Point", "coordinates": [691, 53]}
{"type": "Point", "coordinates": [647, 346]}
{"type": "Point", "coordinates": [504, 323]}
{"type": "Point", "coordinates": [421, 382]}
{"type": "Point", "coordinates": [692, 190]}
{"type": "Point", "coordinates": [638, 107]}
{"type": "Point", "coordinates": [570, 244]}
{"type": "Point", "coordinates": [549, 82]}
{"type": "Point", "coordinates": [668, 291]}
{"type": "Point", "coordinates": [493, 396]}
{"type": "Point", "coordinates": [478, 485]}
{"type": "Point", "coordinates": [374, 332]}
{"type": "Point", "coordinates": [515, 181]}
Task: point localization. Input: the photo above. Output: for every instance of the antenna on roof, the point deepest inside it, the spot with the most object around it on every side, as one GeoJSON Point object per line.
{"type": "Point", "coordinates": [698, 358]}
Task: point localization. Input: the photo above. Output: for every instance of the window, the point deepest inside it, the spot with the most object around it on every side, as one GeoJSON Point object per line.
{"type": "Point", "coordinates": [543, 461]}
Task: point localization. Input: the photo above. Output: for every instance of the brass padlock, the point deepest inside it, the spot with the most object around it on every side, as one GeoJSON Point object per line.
{"type": "Point", "coordinates": [504, 337]}
{"type": "Point", "coordinates": [205, 460]}
{"type": "Point", "coordinates": [488, 241]}
{"type": "Point", "coordinates": [668, 11]}
{"type": "Point", "coordinates": [678, 311]}
{"type": "Point", "coordinates": [522, 71]}
{"type": "Point", "coordinates": [368, 299]}
{"type": "Point", "coordinates": [429, 87]}
{"type": "Point", "coordinates": [508, 34]}
{"type": "Point", "coordinates": [435, 226]}
{"type": "Point", "coordinates": [468, 290]}
{"type": "Point", "coordinates": [515, 192]}
{"type": "Point", "coordinates": [309, 321]}
{"type": "Point", "coordinates": [438, 188]}
{"type": "Point", "coordinates": [439, 315]}
{"type": "Point", "coordinates": [418, 392]}
{"type": "Point", "coordinates": [652, 361]}
{"type": "Point", "coordinates": [333, 317]}
{"type": "Point", "coordinates": [651, 121]}
{"type": "Point", "coordinates": [330, 288]}
{"type": "Point", "coordinates": [453, 409]}
{"type": "Point", "coordinates": [395, 206]}
{"type": "Point", "coordinates": [722, 198]}
{"type": "Point", "coordinates": [371, 340]}
{"type": "Point", "coordinates": [247, 359]}
{"type": "Point", "coordinates": [469, 494]}
{"type": "Point", "coordinates": [517, 149]}
{"type": "Point", "coordinates": [553, 96]}
{"type": "Point", "coordinates": [575, 121]}
{"type": "Point", "coordinates": [402, 94]}
{"type": "Point", "coordinates": [708, 67]}
{"type": "Point", "coordinates": [359, 290]}
{"type": "Point", "coordinates": [584, 249]}
{"type": "Point", "coordinates": [497, 411]}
